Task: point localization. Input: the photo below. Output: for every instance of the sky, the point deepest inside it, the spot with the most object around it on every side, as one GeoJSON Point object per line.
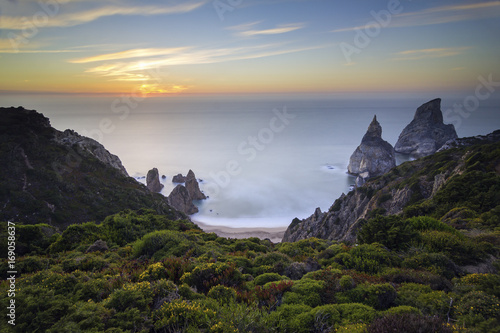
{"type": "Point", "coordinates": [158, 47]}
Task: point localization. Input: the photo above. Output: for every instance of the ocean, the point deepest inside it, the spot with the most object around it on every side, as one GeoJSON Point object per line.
{"type": "Point", "coordinates": [262, 159]}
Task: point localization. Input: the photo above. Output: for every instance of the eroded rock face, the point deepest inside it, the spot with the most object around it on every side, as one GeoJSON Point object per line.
{"type": "Point", "coordinates": [193, 187]}
{"type": "Point", "coordinates": [374, 156]}
{"type": "Point", "coordinates": [71, 138]}
{"type": "Point", "coordinates": [178, 179]}
{"type": "Point", "coordinates": [153, 181]}
{"type": "Point", "coordinates": [180, 199]}
{"type": "Point", "coordinates": [426, 133]}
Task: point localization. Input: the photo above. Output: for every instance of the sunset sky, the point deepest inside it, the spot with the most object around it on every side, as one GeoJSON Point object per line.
{"type": "Point", "coordinates": [247, 46]}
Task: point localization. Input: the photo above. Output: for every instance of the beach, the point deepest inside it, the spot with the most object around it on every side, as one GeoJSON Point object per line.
{"type": "Point", "coordinates": [275, 235]}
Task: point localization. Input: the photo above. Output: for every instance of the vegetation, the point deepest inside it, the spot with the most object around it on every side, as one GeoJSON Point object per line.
{"type": "Point", "coordinates": [415, 272]}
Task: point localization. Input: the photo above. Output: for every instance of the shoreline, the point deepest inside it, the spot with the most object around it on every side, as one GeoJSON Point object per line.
{"type": "Point", "coordinates": [274, 234]}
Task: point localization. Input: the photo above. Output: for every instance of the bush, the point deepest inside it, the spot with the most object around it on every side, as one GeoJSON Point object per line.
{"type": "Point", "coordinates": [378, 296]}
{"type": "Point", "coordinates": [305, 291]}
{"type": "Point", "coordinates": [268, 277]}
{"type": "Point", "coordinates": [408, 322]}
{"type": "Point", "coordinates": [424, 298]}
{"type": "Point", "coordinates": [222, 294]}
{"type": "Point", "coordinates": [436, 263]}
{"type": "Point", "coordinates": [163, 243]}
{"type": "Point", "coordinates": [132, 295]}
{"type": "Point", "coordinates": [391, 231]}
{"type": "Point", "coordinates": [477, 306]}
{"type": "Point", "coordinates": [368, 258]}
{"type": "Point", "coordinates": [352, 313]}
{"type": "Point", "coordinates": [207, 275]}
{"type": "Point", "coordinates": [178, 316]}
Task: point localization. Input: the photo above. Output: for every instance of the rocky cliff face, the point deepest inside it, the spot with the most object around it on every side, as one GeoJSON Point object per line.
{"type": "Point", "coordinates": [70, 138]}
{"type": "Point", "coordinates": [412, 185]}
{"type": "Point", "coordinates": [153, 181]}
{"type": "Point", "coordinates": [374, 156]}
{"type": "Point", "coordinates": [426, 133]}
{"type": "Point", "coordinates": [62, 178]}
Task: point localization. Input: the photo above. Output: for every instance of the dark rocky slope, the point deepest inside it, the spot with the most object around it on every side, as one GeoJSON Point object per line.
{"type": "Point", "coordinates": [465, 179]}
{"type": "Point", "coordinates": [61, 178]}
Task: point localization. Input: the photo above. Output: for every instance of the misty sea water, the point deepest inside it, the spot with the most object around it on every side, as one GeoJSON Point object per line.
{"type": "Point", "coordinates": [263, 160]}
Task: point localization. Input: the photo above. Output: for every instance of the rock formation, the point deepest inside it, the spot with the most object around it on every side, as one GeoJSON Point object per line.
{"type": "Point", "coordinates": [402, 187]}
{"type": "Point", "coordinates": [98, 246]}
{"type": "Point", "coordinates": [426, 133]}
{"type": "Point", "coordinates": [179, 179]}
{"type": "Point", "coordinates": [193, 187]}
{"type": "Point", "coordinates": [153, 181]}
{"type": "Point", "coordinates": [374, 156]}
{"type": "Point", "coordinates": [180, 199]}
{"type": "Point", "coordinates": [71, 138]}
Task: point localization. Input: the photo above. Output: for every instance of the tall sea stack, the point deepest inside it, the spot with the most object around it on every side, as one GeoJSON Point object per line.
{"type": "Point", "coordinates": [374, 156]}
{"type": "Point", "coordinates": [426, 133]}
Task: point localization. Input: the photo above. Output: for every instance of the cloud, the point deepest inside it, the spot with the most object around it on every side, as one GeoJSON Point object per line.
{"type": "Point", "coordinates": [10, 46]}
{"type": "Point", "coordinates": [85, 16]}
{"type": "Point", "coordinates": [134, 69]}
{"type": "Point", "coordinates": [245, 31]}
{"type": "Point", "coordinates": [430, 53]}
{"type": "Point", "coordinates": [437, 15]}
{"type": "Point", "coordinates": [135, 53]}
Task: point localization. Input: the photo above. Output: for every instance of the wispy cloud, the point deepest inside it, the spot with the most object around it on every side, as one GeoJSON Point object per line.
{"type": "Point", "coordinates": [81, 17]}
{"type": "Point", "coordinates": [439, 15]}
{"type": "Point", "coordinates": [135, 53]}
{"type": "Point", "coordinates": [430, 53]}
{"type": "Point", "coordinates": [7, 46]}
{"type": "Point", "coordinates": [246, 30]}
{"type": "Point", "coordinates": [134, 69]}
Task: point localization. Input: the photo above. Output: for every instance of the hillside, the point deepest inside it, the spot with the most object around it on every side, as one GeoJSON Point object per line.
{"type": "Point", "coordinates": [459, 186]}
{"type": "Point", "coordinates": [61, 178]}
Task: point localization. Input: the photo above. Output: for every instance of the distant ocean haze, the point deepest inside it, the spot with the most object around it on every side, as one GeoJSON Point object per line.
{"type": "Point", "coordinates": [263, 160]}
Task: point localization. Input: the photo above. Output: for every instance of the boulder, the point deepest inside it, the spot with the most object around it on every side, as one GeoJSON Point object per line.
{"type": "Point", "coordinates": [193, 187]}
{"type": "Point", "coordinates": [180, 199]}
{"type": "Point", "coordinates": [153, 181]}
{"type": "Point", "coordinates": [179, 179]}
{"type": "Point", "coordinates": [374, 156]}
{"type": "Point", "coordinates": [426, 133]}
{"type": "Point", "coordinates": [98, 246]}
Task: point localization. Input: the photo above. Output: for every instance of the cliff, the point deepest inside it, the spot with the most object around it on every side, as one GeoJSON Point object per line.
{"type": "Point", "coordinates": [374, 156]}
{"type": "Point", "coordinates": [426, 133]}
{"type": "Point", "coordinates": [63, 178]}
{"type": "Point", "coordinates": [435, 185]}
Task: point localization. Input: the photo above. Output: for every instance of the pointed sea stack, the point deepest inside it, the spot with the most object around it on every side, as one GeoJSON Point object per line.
{"type": "Point", "coordinates": [426, 133]}
{"type": "Point", "coordinates": [153, 181]}
{"type": "Point", "coordinates": [193, 187]}
{"type": "Point", "coordinates": [374, 156]}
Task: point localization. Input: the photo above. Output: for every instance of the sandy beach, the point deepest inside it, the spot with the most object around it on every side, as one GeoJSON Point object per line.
{"type": "Point", "coordinates": [273, 234]}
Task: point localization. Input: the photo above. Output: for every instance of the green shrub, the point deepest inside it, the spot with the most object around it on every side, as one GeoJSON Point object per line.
{"type": "Point", "coordinates": [178, 316]}
{"type": "Point", "coordinates": [436, 263]}
{"type": "Point", "coordinates": [131, 295]}
{"type": "Point", "coordinates": [305, 291]}
{"type": "Point", "coordinates": [391, 231]}
{"type": "Point", "coordinates": [477, 306]}
{"type": "Point", "coordinates": [488, 283]}
{"type": "Point", "coordinates": [346, 282]}
{"type": "Point", "coordinates": [368, 258]}
{"type": "Point", "coordinates": [402, 309]}
{"type": "Point", "coordinates": [352, 313]}
{"type": "Point", "coordinates": [378, 296]}
{"type": "Point", "coordinates": [222, 294]}
{"type": "Point", "coordinates": [207, 275]}
{"type": "Point", "coordinates": [163, 243]}
{"type": "Point", "coordinates": [306, 247]}
{"type": "Point", "coordinates": [427, 223]}
{"type": "Point", "coordinates": [76, 235]}
{"type": "Point", "coordinates": [83, 317]}
{"type": "Point", "coordinates": [268, 277]}
{"type": "Point", "coordinates": [408, 322]}
{"type": "Point", "coordinates": [424, 298]}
